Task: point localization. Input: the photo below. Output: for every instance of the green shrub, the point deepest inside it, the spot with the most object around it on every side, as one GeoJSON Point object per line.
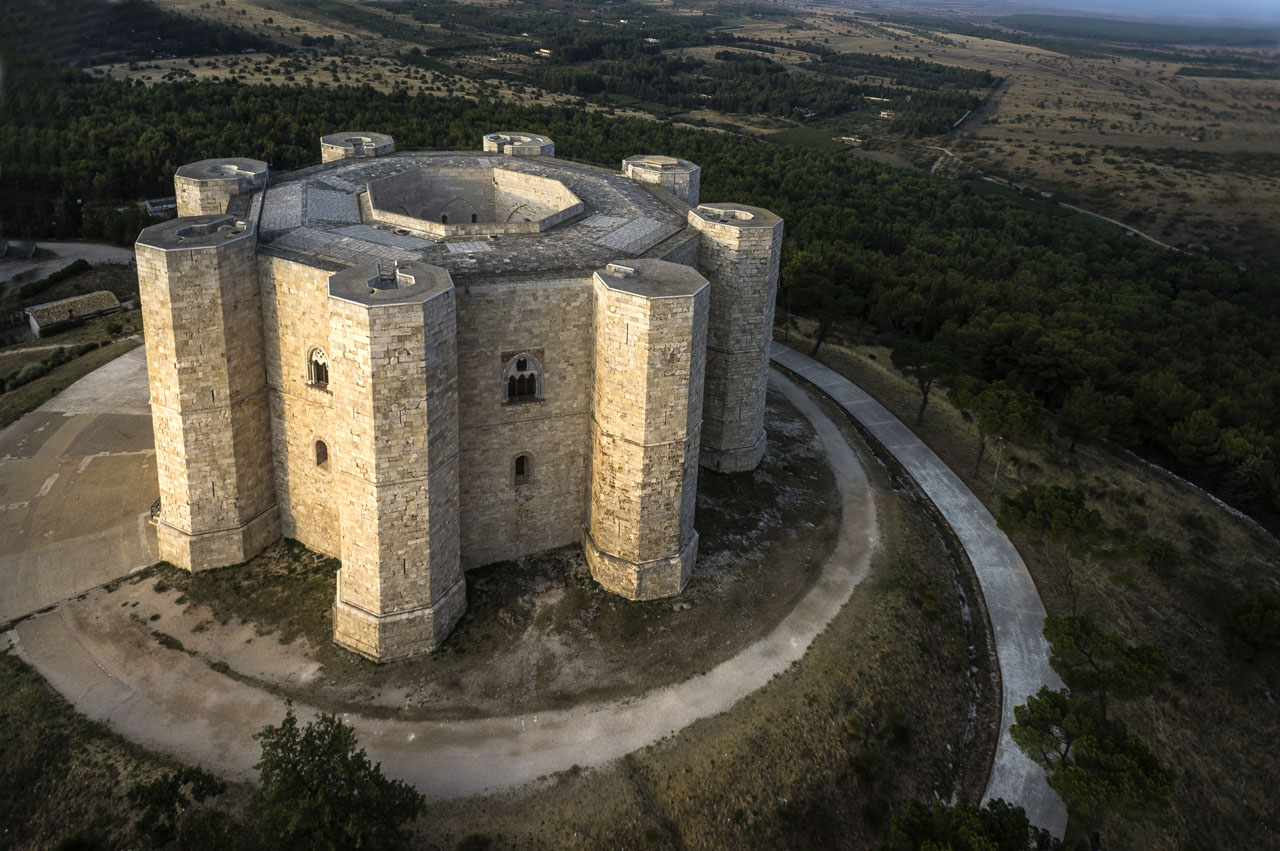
{"type": "Point", "coordinates": [29, 373]}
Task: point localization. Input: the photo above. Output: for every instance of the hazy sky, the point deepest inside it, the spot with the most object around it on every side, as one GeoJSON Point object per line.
{"type": "Point", "coordinates": [1206, 10]}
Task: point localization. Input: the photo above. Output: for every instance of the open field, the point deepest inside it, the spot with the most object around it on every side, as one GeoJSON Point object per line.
{"type": "Point", "coordinates": [1211, 721]}
{"type": "Point", "coordinates": [1098, 131]}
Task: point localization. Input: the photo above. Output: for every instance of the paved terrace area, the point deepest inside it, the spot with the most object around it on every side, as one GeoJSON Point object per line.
{"type": "Point", "coordinates": [1013, 603]}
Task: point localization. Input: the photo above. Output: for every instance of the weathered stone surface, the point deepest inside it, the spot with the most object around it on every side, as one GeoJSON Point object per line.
{"type": "Point", "coordinates": [417, 404]}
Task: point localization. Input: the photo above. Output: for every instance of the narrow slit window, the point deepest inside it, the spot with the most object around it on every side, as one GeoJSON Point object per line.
{"type": "Point", "coordinates": [322, 454]}
{"type": "Point", "coordinates": [444, 220]}
{"type": "Point", "coordinates": [521, 469]}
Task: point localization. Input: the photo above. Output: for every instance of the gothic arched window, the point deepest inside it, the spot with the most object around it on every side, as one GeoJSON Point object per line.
{"type": "Point", "coordinates": [318, 368]}
{"type": "Point", "coordinates": [522, 379]}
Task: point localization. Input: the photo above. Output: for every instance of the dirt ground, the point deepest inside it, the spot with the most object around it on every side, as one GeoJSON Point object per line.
{"type": "Point", "coordinates": [538, 633]}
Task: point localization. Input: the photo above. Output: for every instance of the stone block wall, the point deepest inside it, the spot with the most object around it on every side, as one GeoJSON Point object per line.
{"type": "Point", "coordinates": [552, 320]}
{"type": "Point", "coordinates": [295, 304]}
{"type": "Point", "coordinates": [201, 310]}
{"type": "Point", "coordinates": [394, 368]}
{"type": "Point", "coordinates": [739, 253]}
{"type": "Point", "coordinates": [647, 410]}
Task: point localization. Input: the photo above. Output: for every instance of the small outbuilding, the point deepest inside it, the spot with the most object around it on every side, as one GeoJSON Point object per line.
{"type": "Point", "coordinates": [53, 314]}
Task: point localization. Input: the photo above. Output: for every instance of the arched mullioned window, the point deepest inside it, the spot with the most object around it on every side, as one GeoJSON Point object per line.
{"type": "Point", "coordinates": [522, 469]}
{"type": "Point", "coordinates": [318, 368]}
{"type": "Point", "coordinates": [322, 454]}
{"type": "Point", "coordinates": [522, 379]}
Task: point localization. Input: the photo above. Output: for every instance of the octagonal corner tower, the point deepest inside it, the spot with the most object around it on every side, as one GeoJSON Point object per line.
{"type": "Point", "coordinates": [424, 362]}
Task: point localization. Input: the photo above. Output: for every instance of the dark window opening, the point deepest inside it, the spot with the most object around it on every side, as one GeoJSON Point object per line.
{"type": "Point", "coordinates": [521, 380]}
{"type": "Point", "coordinates": [322, 454]}
{"type": "Point", "coordinates": [319, 369]}
{"type": "Point", "coordinates": [444, 220]}
{"type": "Point", "coordinates": [474, 218]}
{"type": "Point", "coordinates": [520, 466]}
{"type": "Point", "coordinates": [523, 467]}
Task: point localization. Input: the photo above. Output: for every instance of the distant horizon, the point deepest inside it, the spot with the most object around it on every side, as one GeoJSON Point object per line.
{"type": "Point", "coordinates": [1184, 11]}
{"type": "Point", "coordinates": [1189, 12]}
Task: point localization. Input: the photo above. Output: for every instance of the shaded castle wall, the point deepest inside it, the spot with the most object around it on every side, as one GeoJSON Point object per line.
{"type": "Point", "coordinates": [552, 320]}
{"type": "Point", "coordinates": [739, 253]}
{"type": "Point", "coordinates": [295, 304]}
{"type": "Point", "coordinates": [647, 409]}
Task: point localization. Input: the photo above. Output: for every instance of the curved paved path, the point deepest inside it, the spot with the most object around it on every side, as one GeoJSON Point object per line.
{"type": "Point", "coordinates": [1017, 615]}
{"type": "Point", "coordinates": [171, 702]}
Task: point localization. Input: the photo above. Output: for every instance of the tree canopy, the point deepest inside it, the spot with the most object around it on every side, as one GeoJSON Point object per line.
{"type": "Point", "coordinates": [319, 791]}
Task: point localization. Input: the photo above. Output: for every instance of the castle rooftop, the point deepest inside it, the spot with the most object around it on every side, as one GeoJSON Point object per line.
{"type": "Point", "coordinates": [316, 215]}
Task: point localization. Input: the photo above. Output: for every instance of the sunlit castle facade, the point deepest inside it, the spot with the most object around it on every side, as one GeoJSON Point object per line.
{"type": "Point", "coordinates": [424, 362]}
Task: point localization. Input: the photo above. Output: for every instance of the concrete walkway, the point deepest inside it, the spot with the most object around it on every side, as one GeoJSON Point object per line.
{"type": "Point", "coordinates": [166, 700]}
{"type": "Point", "coordinates": [1017, 615]}
{"type": "Point", "coordinates": [77, 479]}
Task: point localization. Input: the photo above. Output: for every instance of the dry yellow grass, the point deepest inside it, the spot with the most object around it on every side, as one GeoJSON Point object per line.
{"type": "Point", "coordinates": [1212, 722]}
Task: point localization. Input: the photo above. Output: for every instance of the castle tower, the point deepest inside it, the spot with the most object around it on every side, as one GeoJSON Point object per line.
{"type": "Point", "coordinates": [680, 177]}
{"type": "Point", "coordinates": [205, 188]}
{"type": "Point", "coordinates": [519, 145]}
{"type": "Point", "coordinates": [200, 304]}
{"type": "Point", "coordinates": [650, 341]}
{"type": "Point", "coordinates": [738, 251]}
{"type": "Point", "coordinates": [394, 375]}
{"type": "Point", "coordinates": [355, 145]}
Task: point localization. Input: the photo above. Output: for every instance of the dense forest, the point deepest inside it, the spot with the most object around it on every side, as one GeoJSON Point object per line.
{"type": "Point", "coordinates": [1182, 353]}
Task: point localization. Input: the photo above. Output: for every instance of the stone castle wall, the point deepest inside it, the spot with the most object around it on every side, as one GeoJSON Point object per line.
{"type": "Point", "coordinates": [208, 395]}
{"type": "Point", "coordinates": [644, 370]}
{"type": "Point", "coordinates": [739, 252]}
{"type": "Point", "coordinates": [649, 365]}
{"type": "Point", "coordinates": [496, 321]}
{"type": "Point", "coordinates": [295, 303]}
{"type": "Point", "coordinates": [398, 467]}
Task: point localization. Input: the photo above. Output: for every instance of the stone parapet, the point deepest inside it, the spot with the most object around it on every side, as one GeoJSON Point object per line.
{"type": "Point", "coordinates": [355, 145]}
{"type": "Point", "coordinates": [739, 252]}
{"type": "Point", "coordinates": [679, 177]}
{"type": "Point", "coordinates": [519, 144]}
{"type": "Point", "coordinates": [205, 188]}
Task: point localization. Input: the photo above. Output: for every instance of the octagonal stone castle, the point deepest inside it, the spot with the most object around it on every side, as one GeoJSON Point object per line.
{"type": "Point", "coordinates": [423, 362]}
